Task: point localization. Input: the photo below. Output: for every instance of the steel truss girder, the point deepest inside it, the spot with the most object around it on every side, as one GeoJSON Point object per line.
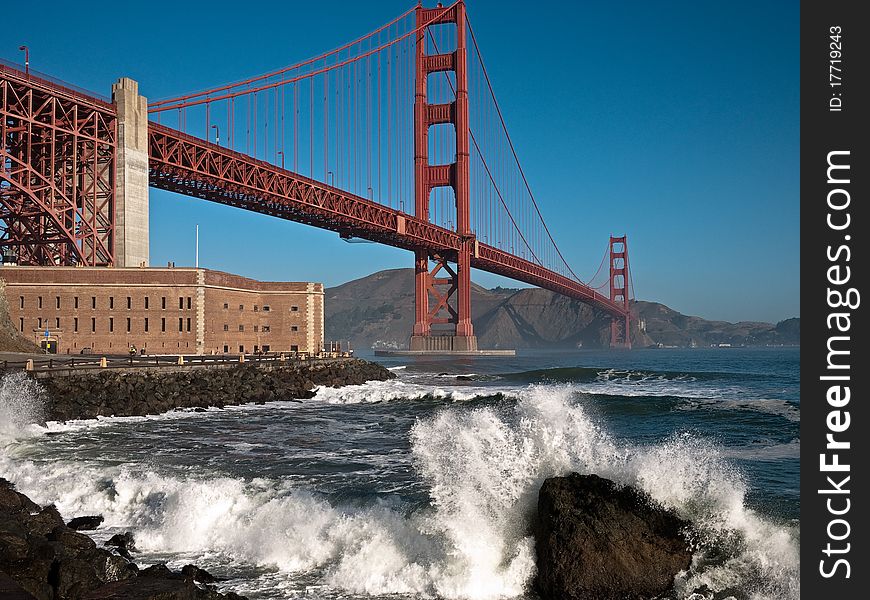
{"type": "Point", "coordinates": [58, 208]}
{"type": "Point", "coordinates": [441, 290]}
{"type": "Point", "coordinates": [57, 158]}
{"type": "Point", "coordinates": [187, 165]}
{"type": "Point", "coordinates": [490, 259]}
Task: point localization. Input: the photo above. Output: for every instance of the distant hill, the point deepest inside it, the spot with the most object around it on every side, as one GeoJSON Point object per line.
{"type": "Point", "coordinates": [379, 309]}
{"type": "Point", "coordinates": [671, 328]}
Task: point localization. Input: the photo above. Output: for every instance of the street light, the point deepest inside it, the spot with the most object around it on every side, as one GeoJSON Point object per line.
{"type": "Point", "coordinates": [282, 158]}
{"type": "Point", "coordinates": [26, 51]}
{"type": "Point", "coordinates": [330, 176]}
{"type": "Point", "coordinates": [217, 135]}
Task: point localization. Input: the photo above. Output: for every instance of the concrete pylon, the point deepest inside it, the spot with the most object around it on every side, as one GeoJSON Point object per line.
{"type": "Point", "coordinates": [131, 175]}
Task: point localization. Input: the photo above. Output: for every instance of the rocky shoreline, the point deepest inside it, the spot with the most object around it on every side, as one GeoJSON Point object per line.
{"type": "Point", "coordinates": [43, 558]}
{"type": "Point", "coordinates": [138, 392]}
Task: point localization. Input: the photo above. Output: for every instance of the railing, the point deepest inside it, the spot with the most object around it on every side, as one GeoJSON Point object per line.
{"type": "Point", "coordinates": [34, 76]}
{"type": "Point", "coordinates": [95, 362]}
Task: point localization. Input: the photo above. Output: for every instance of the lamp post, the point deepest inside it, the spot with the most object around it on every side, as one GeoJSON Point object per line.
{"type": "Point", "coordinates": [26, 51]}
{"type": "Point", "coordinates": [217, 135]}
{"type": "Point", "coordinates": [282, 158]}
{"type": "Point", "coordinates": [330, 178]}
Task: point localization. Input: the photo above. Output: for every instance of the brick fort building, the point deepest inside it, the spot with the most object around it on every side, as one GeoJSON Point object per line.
{"type": "Point", "coordinates": [162, 310]}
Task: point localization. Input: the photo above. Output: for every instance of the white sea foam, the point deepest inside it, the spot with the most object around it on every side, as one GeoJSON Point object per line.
{"type": "Point", "coordinates": [392, 390]}
{"type": "Point", "coordinates": [21, 406]}
{"type": "Point", "coordinates": [483, 466]}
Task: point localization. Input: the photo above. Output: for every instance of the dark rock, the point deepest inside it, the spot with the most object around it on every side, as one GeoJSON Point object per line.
{"type": "Point", "coordinates": [44, 521]}
{"type": "Point", "coordinates": [596, 541]}
{"type": "Point", "coordinates": [197, 574]}
{"type": "Point", "coordinates": [161, 571]}
{"type": "Point", "coordinates": [33, 576]}
{"type": "Point", "coordinates": [157, 582]}
{"type": "Point", "coordinates": [124, 544]}
{"type": "Point", "coordinates": [73, 541]}
{"type": "Point", "coordinates": [13, 543]}
{"type": "Point", "coordinates": [10, 500]}
{"type": "Point", "coordinates": [10, 590]}
{"type": "Point", "coordinates": [144, 588]}
{"type": "Point", "coordinates": [85, 523]}
{"type": "Point", "coordinates": [72, 577]}
{"type": "Point", "coordinates": [43, 559]}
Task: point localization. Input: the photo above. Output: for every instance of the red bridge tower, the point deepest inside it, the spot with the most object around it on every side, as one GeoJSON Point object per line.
{"type": "Point", "coordinates": [619, 325]}
{"type": "Point", "coordinates": [434, 293]}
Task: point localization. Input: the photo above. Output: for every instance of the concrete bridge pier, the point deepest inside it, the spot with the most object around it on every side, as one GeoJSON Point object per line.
{"type": "Point", "coordinates": [443, 344]}
{"type": "Point", "coordinates": [131, 175]}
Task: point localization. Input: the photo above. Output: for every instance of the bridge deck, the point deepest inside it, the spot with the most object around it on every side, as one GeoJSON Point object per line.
{"type": "Point", "coordinates": [194, 167]}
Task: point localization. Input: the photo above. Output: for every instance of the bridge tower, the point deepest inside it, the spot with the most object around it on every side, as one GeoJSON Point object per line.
{"type": "Point", "coordinates": [433, 293]}
{"type": "Point", "coordinates": [620, 336]}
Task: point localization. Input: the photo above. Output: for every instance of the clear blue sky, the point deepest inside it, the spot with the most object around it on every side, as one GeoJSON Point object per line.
{"type": "Point", "coordinates": [676, 122]}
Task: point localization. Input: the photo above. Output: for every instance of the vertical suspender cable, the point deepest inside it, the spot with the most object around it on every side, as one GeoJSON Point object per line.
{"type": "Point", "coordinates": [311, 127]}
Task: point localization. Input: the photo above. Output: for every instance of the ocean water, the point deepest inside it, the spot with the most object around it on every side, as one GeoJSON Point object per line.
{"type": "Point", "coordinates": [425, 486]}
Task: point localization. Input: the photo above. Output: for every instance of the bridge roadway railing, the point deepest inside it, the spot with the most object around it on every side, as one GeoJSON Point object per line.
{"type": "Point", "coordinates": [54, 86]}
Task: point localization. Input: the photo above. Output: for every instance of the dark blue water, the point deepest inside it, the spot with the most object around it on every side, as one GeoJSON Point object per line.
{"type": "Point", "coordinates": [423, 486]}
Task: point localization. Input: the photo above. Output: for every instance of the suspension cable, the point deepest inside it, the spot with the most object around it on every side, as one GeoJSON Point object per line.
{"type": "Point", "coordinates": [283, 70]}
{"type": "Point", "coordinates": [513, 151]}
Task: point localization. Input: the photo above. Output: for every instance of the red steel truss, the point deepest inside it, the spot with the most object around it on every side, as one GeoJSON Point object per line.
{"type": "Point", "coordinates": [57, 171]}
{"type": "Point", "coordinates": [57, 162]}
{"type": "Point", "coordinates": [619, 327]}
{"type": "Point", "coordinates": [454, 175]}
{"type": "Point", "coordinates": [191, 166]}
{"type": "Point", "coordinates": [194, 167]}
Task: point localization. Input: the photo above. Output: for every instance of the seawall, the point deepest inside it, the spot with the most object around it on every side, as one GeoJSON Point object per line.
{"type": "Point", "coordinates": [139, 391]}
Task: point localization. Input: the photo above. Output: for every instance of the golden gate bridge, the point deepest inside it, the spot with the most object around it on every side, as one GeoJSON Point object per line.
{"type": "Point", "coordinates": [395, 137]}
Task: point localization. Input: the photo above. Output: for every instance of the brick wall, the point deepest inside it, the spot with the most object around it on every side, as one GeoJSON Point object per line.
{"type": "Point", "coordinates": [165, 311]}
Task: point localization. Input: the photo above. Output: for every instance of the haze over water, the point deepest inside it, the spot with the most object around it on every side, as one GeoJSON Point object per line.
{"type": "Point", "coordinates": [425, 486]}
